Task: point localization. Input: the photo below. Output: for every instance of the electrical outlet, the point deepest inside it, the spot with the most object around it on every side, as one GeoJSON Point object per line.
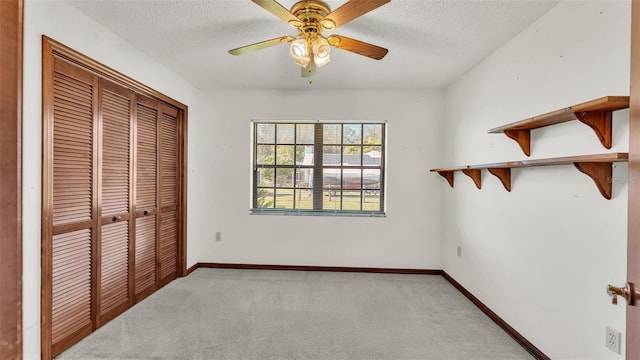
{"type": "Point", "coordinates": [218, 236]}
{"type": "Point", "coordinates": [612, 340]}
{"type": "Point", "coordinates": [459, 251]}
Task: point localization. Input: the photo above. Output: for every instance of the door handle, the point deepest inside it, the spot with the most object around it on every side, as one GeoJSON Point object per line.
{"type": "Point", "coordinates": [629, 292]}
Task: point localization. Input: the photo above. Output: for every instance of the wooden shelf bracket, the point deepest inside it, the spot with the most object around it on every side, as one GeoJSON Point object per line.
{"type": "Point", "coordinates": [601, 173]}
{"type": "Point", "coordinates": [522, 137]}
{"type": "Point", "coordinates": [504, 174]}
{"type": "Point", "coordinates": [600, 122]}
{"type": "Point", "coordinates": [447, 175]}
{"type": "Point", "coordinates": [475, 175]}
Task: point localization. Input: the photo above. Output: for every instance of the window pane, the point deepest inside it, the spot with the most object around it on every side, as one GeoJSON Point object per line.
{"type": "Point", "coordinates": [265, 177]}
{"type": "Point", "coordinates": [304, 199]}
{"type": "Point", "coordinates": [264, 154]}
{"type": "Point", "coordinates": [331, 133]}
{"type": "Point", "coordinates": [352, 134]}
{"type": "Point", "coordinates": [371, 179]}
{"type": "Point", "coordinates": [371, 200]}
{"type": "Point", "coordinates": [304, 155]}
{"type": "Point", "coordinates": [331, 156]}
{"type": "Point", "coordinates": [284, 198]}
{"type": "Point", "coordinates": [351, 155]}
{"type": "Point", "coordinates": [371, 183]}
{"type": "Point", "coordinates": [304, 178]}
{"type": "Point", "coordinates": [373, 134]}
{"type": "Point", "coordinates": [285, 155]}
{"type": "Point", "coordinates": [331, 178]}
{"type": "Point", "coordinates": [331, 200]}
{"type": "Point", "coordinates": [284, 177]}
{"type": "Point", "coordinates": [351, 200]}
{"type": "Point", "coordinates": [286, 133]}
{"type": "Point", "coordinates": [352, 179]}
{"type": "Point", "coordinates": [372, 156]}
{"type": "Point", "coordinates": [265, 198]}
{"type": "Point", "coordinates": [266, 133]}
{"type": "Point", "coordinates": [305, 133]}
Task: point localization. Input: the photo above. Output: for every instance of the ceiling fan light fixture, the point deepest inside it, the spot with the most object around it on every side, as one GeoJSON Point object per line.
{"type": "Point", "coordinates": [321, 51]}
{"type": "Point", "coordinates": [300, 52]}
{"type": "Point", "coordinates": [310, 49]}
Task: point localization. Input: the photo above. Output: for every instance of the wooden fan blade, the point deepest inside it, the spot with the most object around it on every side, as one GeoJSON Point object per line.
{"type": "Point", "coordinates": [349, 11]}
{"type": "Point", "coordinates": [261, 45]}
{"type": "Point", "coordinates": [358, 47]}
{"type": "Point", "coordinates": [280, 11]}
{"type": "Point", "coordinates": [308, 71]}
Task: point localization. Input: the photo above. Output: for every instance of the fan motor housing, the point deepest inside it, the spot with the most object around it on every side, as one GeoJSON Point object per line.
{"type": "Point", "coordinates": [310, 12]}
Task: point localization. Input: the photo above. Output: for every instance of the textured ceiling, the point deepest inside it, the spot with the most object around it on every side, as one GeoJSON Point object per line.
{"type": "Point", "coordinates": [431, 42]}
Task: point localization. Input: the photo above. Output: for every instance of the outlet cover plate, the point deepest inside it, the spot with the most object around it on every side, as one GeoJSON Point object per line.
{"type": "Point", "coordinates": [613, 340]}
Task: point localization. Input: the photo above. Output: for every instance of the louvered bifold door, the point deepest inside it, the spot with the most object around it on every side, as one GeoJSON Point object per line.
{"type": "Point", "coordinates": [169, 185]}
{"type": "Point", "coordinates": [146, 191]}
{"type": "Point", "coordinates": [73, 205]}
{"type": "Point", "coordinates": [116, 104]}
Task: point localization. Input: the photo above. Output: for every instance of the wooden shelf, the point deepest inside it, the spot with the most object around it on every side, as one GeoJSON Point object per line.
{"type": "Point", "coordinates": [598, 167]}
{"type": "Point", "coordinates": [595, 113]}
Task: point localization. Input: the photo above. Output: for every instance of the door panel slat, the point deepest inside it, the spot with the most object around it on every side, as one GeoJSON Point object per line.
{"type": "Point", "coordinates": [146, 143]}
{"type": "Point", "coordinates": [71, 292]}
{"type": "Point", "coordinates": [114, 266]}
{"type": "Point", "coordinates": [168, 244]}
{"type": "Point", "coordinates": [115, 153]}
{"type": "Point", "coordinates": [72, 159]}
{"type": "Point", "coordinates": [145, 253]}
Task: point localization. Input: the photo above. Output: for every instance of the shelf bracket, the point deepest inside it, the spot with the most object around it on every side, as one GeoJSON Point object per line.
{"type": "Point", "coordinates": [600, 122]}
{"type": "Point", "coordinates": [522, 137]}
{"type": "Point", "coordinates": [447, 175]}
{"type": "Point", "coordinates": [601, 173]}
{"type": "Point", "coordinates": [475, 175]}
{"type": "Point", "coordinates": [504, 174]}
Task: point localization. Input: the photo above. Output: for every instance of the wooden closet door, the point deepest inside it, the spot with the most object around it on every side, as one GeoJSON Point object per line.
{"type": "Point", "coordinates": [116, 104]}
{"type": "Point", "coordinates": [146, 192]}
{"type": "Point", "coordinates": [169, 186]}
{"type": "Point", "coordinates": [113, 196]}
{"type": "Point", "coordinates": [72, 209]}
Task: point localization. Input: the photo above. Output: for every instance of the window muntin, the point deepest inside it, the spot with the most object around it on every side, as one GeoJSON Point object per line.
{"type": "Point", "coordinates": [335, 168]}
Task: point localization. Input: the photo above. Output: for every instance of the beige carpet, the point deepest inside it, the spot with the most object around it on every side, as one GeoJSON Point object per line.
{"type": "Point", "coordinates": [262, 314]}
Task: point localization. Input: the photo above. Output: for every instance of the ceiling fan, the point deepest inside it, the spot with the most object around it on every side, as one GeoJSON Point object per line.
{"type": "Point", "coordinates": [310, 48]}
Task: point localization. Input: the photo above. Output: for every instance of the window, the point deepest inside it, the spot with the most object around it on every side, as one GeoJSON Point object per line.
{"type": "Point", "coordinates": [318, 168]}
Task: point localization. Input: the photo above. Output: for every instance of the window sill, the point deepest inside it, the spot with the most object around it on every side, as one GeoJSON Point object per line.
{"type": "Point", "coordinates": [290, 212]}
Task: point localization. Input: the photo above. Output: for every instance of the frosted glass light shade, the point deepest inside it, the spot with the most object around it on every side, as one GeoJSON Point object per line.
{"type": "Point", "coordinates": [321, 51]}
{"type": "Point", "coordinates": [300, 52]}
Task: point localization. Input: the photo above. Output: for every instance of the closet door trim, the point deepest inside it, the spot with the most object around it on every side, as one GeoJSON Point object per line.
{"type": "Point", "coordinates": [63, 52]}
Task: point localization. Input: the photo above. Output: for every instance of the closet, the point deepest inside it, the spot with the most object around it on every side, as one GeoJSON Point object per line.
{"type": "Point", "coordinates": [113, 195]}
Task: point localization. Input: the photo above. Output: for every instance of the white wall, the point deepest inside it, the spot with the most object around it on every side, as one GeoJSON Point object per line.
{"type": "Point", "coordinates": [64, 23]}
{"type": "Point", "coordinates": [542, 255]}
{"type": "Point", "coordinates": [409, 237]}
